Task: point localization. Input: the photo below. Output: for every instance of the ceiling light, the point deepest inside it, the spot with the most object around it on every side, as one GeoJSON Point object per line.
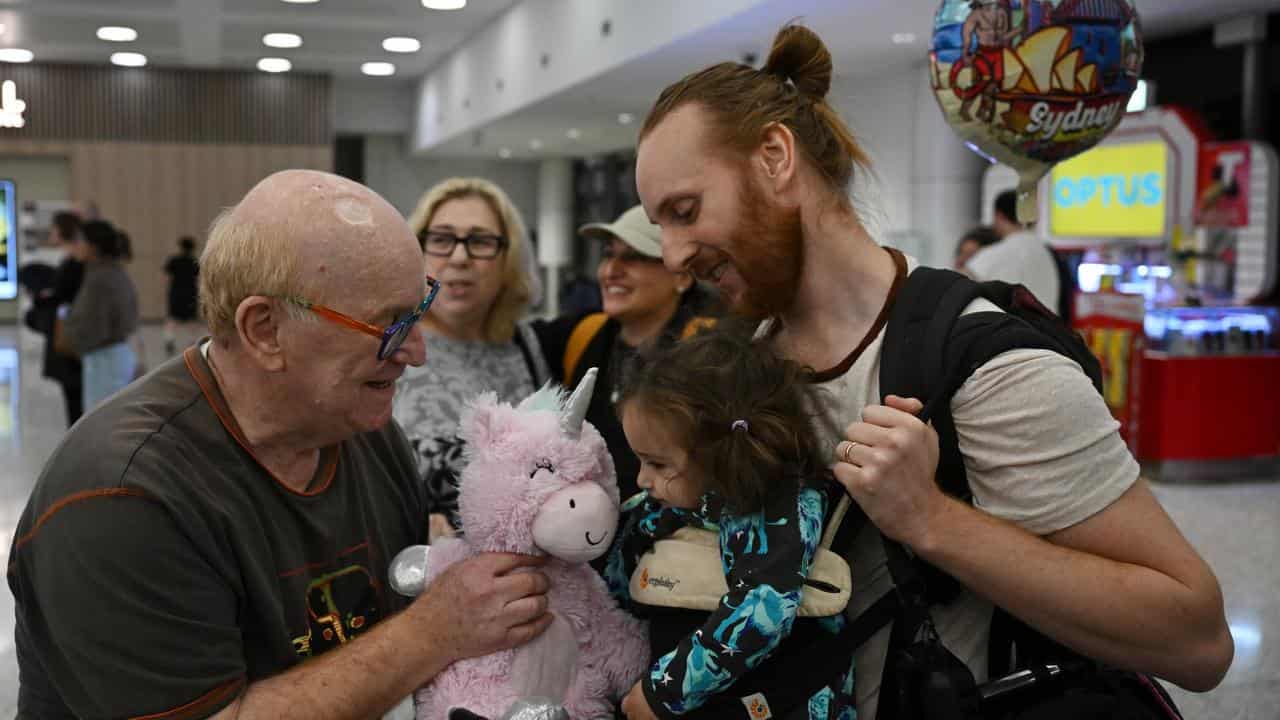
{"type": "Point", "coordinates": [378, 69]}
{"type": "Point", "coordinates": [401, 45]}
{"type": "Point", "coordinates": [444, 4]}
{"type": "Point", "coordinates": [904, 38]}
{"type": "Point", "coordinates": [16, 55]}
{"type": "Point", "coordinates": [282, 40]}
{"type": "Point", "coordinates": [128, 59]}
{"type": "Point", "coordinates": [274, 65]}
{"type": "Point", "coordinates": [573, 133]}
{"type": "Point", "coordinates": [535, 144]}
{"type": "Point", "coordinates": [504, 153]}
{"type": "Point", "coordinates": [626, 118]}
{"type": "Point", "coordinates": [113, 33]}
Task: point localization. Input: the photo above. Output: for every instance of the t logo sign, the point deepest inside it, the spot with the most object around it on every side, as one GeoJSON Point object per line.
{"type": "Point", "coordinates": [11, 108]}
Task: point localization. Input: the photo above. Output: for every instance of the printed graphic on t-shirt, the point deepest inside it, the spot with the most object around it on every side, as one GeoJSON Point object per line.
{"type": "Point", "coordinates": [340, 604]}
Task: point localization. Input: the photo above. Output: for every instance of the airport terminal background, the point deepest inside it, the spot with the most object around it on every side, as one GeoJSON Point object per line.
{"type": "Point", "coordinates": [544, 97]}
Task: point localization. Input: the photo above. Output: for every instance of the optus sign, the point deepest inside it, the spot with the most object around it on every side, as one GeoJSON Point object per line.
{"type": "Point", "coordinates": [1111, 191]}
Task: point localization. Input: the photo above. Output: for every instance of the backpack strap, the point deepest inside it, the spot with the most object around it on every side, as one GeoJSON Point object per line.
{"type": "Point", "coordinates": [583, 333]}
{"type": "Point", "coordinates": [917, 331]}
{"type": "Point", "coordinates": [931, 348]}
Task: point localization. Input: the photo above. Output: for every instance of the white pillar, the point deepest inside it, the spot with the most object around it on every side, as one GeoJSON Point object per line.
{"type": "Point", "coordinates": [946, 180]}
{"type": "Point", "coordinates": [555, 225]}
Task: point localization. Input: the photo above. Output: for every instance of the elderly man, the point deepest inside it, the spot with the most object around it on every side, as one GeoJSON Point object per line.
{"type": "Point", "coordinates": [199, 539]}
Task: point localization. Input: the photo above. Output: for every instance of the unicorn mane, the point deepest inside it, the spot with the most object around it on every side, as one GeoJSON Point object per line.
{"type": "Point", "coordinates": [549, 398]}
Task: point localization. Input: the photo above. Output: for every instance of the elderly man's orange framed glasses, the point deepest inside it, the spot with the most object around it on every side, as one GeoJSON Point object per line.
{"type": "Point", "coordinates": [392, 336]}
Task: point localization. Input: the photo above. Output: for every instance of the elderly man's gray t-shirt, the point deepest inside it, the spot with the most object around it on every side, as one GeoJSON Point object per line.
{"type": "Point", "coordinates": [159, 568]}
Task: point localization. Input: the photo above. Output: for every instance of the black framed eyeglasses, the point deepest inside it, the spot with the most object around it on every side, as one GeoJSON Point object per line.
{"type": "Point", "coordinates": [393, 335]}
{"type": "Point", "coordinates": [480, 246]}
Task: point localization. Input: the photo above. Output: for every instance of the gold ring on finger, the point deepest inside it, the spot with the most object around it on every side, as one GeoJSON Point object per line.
{"type": "Point", "coordinates": [847, 453]}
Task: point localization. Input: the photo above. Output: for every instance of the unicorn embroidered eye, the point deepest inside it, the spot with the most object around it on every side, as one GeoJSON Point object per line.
{"type": "Point", "coordinates": [543, 464]}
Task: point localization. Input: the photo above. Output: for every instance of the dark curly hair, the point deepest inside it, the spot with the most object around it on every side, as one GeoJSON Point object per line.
{"type": "Point", "coordinates": [703, 386]}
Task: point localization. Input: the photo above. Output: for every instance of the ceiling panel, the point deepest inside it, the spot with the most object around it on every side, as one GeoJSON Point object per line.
{"type": "Point", "coordinates": [338, 35]}
{"type": "Point", "coordinates": [40, 30]}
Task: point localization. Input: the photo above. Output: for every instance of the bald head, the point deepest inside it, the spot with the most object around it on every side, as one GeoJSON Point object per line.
{"type": "Point", "coordinates": [305, 233]}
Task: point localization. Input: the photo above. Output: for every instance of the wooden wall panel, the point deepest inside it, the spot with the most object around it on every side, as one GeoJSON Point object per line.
{"type": "Point", "coordinates": [92, 102]}
{"type": "Point", "coordinates": [159, 191]}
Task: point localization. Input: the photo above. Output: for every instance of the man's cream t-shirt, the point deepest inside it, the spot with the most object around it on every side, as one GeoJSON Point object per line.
{"type": "Point", "coordinates": [1041, 450]}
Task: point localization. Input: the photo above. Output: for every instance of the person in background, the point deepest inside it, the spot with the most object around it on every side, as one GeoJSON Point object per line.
{"type": "Point", "coordinates": [476, 246]}
{"type": "Point", "coordinates": [1019, 257]}
{"type": "Point", "coordinates": [973, 241]}
{"type": "Point", "coordinates": [643, 303]}
{"type": "Point", "coordinates": [183, 270]}
{"type": "Point", "coordinates": [98, 325]}
{"type": "Point", "coordinates": [213, 541]}
{"type": "Point", "coordinates": [63, 368]}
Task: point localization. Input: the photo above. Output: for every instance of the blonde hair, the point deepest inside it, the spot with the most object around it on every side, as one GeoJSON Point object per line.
{"type": "Point", "coordinates": [519, 285]}
{"type": "Point", "coordinates": [240, 260]}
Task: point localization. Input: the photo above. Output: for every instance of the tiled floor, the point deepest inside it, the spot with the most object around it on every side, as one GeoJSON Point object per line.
{"type": "Point", "coordinates": [1236, 526]}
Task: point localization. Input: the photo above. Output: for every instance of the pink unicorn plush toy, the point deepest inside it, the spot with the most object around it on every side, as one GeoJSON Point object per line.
{"type": "Point", "coordinates": [539, 481]}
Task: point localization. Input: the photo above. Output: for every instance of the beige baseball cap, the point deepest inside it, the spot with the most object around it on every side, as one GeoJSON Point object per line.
{"type": "Point", "coordinates": [632, 228]}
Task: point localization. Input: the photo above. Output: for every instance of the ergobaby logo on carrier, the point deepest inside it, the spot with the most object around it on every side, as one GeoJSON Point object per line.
{"type": "Point", "coordinates": [757, 707]}
{"type": "Point", "coordinates": [665, 583]}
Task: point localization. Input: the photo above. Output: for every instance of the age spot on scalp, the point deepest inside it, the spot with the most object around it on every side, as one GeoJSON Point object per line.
{"type": "Point", "coordinates": [352, 211]}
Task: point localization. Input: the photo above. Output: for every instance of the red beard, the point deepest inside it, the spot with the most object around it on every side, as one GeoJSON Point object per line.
{"type": "Point", "coordinates": [768, 255]}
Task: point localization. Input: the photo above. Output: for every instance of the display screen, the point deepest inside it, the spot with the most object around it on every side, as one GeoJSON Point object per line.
{"type": "Point", "coordinates": [8, 241]}
{"type": "Point", "coordinates": [1118, 191]}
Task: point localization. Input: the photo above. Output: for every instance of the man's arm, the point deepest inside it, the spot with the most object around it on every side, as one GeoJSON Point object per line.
{"type": "Point", "coordinates": [477, 607]}
{"type": "Point", "coordinates": [1122, 585]}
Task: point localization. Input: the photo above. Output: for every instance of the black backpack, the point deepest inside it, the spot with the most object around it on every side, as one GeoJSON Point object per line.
{"type": "Point", "coordinates": [930, 349]}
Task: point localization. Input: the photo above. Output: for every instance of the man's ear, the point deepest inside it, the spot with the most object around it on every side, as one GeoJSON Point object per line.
{"type": "Point", "coordinates": [258, 321]}
{"type": "Point", "coordinates": [776, 157]}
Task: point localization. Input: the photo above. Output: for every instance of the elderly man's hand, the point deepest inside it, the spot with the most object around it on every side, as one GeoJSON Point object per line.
{"type": "Point", "coordinates": [488, 603]}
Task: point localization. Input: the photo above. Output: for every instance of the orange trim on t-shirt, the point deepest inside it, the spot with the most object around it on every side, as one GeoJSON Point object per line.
{"type": "Point", "coordinates": [317, 565]}
{"type": "Point", "coordinates": [200, 372]}
{"type": "Point", "coordinates": [71, 499]}
{"type": "Point", "coordinates": [199, 705]}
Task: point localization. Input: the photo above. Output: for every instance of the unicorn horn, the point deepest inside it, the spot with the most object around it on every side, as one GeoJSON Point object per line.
{"type": "Point", "coordinates": [575, 410]}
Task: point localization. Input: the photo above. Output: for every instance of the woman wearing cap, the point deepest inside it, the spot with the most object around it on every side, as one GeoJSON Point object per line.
{"type": "Point", "coordinates": [475, 245]}
{"type": "Point", "coordinates": [643, 302]}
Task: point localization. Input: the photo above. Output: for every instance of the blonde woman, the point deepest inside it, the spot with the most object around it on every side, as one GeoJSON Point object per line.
{"type": "Point", "coordinates": [476, 246]}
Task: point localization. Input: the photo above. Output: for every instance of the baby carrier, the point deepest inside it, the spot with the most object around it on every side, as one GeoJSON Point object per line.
{"type": "Point", "coordinates": [678, 583]}
{"type": "Point", "coordinates": [930, 349]}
